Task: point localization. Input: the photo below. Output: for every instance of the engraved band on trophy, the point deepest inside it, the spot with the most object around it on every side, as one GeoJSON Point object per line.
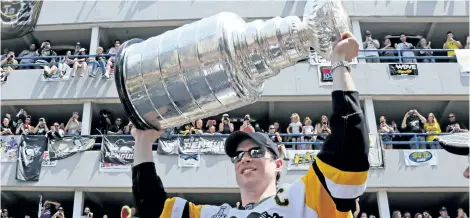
{"type": "Point", "coordinates": [218, 63]}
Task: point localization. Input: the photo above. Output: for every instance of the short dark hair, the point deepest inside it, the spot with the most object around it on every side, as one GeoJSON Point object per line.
{"type": "Point", "coordinates": [402, 34]}
{"type": "Point", "coordinates": [449, 32]}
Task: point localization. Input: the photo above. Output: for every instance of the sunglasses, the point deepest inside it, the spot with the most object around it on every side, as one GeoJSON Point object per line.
{"type": "Point", "coordinates": [451, 116]}
{"type": "Point", "coordinates": [253, 153]}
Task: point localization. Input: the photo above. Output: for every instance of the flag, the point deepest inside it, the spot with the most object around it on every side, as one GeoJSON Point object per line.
{"type": "Point", "coordinates": [69, 145]}
{"type": "Point", "coordinates": [9, 147]}
{"type": "Point", "coordinates": [117, 154]}
{"type": "Point", "coordinates": [29, 162]}
{"type": "Point", "coordinates": [203, 144]}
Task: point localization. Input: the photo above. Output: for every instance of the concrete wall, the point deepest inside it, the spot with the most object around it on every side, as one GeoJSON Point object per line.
{"type": "Point", "coordinates": [300, 80]}
{"type": "Point", "coordinates": [81, 170]}
{"type": "Point", "coordinates": [73, 12]}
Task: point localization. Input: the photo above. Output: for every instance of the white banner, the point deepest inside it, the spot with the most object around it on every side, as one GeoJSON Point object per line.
{"type": "Point", "coordinates": [189, 160]}
{"type": "Point", "coordinates": [301, 159]}
{"type": "Point", "coordinates": [420, 157]}
{"type": "Point", "coordinates": [9, 148]}
{"type": "Point", "coordinates": [463, 58]}
{"type": "Point", "coordinates": [46, 160]}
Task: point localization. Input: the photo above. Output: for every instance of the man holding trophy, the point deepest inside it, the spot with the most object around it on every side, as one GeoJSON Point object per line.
{"type": "Point", "coordinates": [177, 77]}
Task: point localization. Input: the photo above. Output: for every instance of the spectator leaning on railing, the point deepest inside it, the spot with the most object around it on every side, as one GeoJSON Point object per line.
{"type": "Point", "coordinates": [9, 59]}
{"type": "Point", "coordinates": [371, 44]}
{"type": "Point", "coordinates": [98, 62]}
{"type": "Point", "coordinates": [412, 123]}
{"type": "Point", "coordinates": [455, 126]}
{"type": "Point", "coordinates": [44, 52]}
{"type": "Point", "coordinates": [388, 51]}
{"type": "Point", "coordinates": [73, 127]}
{"type": "Point", "coordinates": [225, 126]}
{"type": "Point", "coordinates": [404, 45]}
{"type": "Point", "coordinates": [423, 44]}
{"type": "Point", "coordinates": [432, 126]}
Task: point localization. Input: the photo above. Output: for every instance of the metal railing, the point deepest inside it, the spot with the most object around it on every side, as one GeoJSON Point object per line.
{"type": "Point", "coordinates": [399, 54]}
{"type": "Point", "coordinates": [399, 57]}
{"type": "Point", "coordinates": [416, 142]}
{"type": "Point", "coordinates": [61, 59]}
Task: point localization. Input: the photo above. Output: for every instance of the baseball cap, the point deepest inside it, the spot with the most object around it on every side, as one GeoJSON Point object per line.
{"type": "Point", "coordinates": [443, 209]}
{"type": "Point", "coordinates": [261, 139]}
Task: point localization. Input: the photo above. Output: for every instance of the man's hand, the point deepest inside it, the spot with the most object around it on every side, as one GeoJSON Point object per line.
{"type": "Point", "coordinates": [346, 48]}
{"type": "Point", "coordinates": [146, 136]}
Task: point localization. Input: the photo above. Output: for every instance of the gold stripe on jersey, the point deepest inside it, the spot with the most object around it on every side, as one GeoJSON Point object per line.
{"type": "Point", "coordinates": [318, 199]}
{"type": "Point", "coordinates": [195, 210]}
{"type": "Point", "coordinates": [168, 208]}
{"type": "Point", "coordinates": [341, 177]}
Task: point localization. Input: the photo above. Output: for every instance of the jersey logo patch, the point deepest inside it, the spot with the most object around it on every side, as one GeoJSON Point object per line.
{"type": "Point", "coordinates": [261, 215]}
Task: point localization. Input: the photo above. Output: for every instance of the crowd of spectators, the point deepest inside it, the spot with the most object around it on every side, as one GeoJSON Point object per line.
{"type": "Point", "coordinates": [72, 63]}
{"type": "Point", "coordinates": [389, 51]}
{"type": "Point", "coordinates": [52, 209]}
{"type": "Point", "coordinates": [428, 128]}
{"type": "Point", "coordinates": [24, 124]}
{"type": "Point", "coordinates": [443, 213]}
{"type": "Point", "coordinates": [299, 134]}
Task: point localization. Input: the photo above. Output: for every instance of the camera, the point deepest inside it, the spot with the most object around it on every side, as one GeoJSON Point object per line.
{"type": "Point", "coordinates": [41, 120]}
{"type": "Point", "coordinates": [247, 117]}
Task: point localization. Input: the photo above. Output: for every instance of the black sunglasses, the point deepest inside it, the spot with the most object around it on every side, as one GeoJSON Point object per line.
{"type": "Point", "coordinates": [256, 152]}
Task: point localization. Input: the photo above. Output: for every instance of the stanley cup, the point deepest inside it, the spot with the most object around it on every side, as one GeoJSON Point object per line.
{"type": "Point", "coordinates": [217, 64]}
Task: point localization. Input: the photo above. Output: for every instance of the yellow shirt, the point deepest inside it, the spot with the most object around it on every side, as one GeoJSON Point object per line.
{"type": "Point", "coordinates": [451, 45]}
{"type": "Point", "coordinates": [12, 61]}
{"type": "Point", "coordinates": [432, 128]}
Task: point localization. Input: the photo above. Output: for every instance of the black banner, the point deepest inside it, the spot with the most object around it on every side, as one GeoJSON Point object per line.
{"type": "Point", "coordinates": [203, 144]}
{"type": "Point", "coordinates": [19, 17]}
{"type": "Point", "coordinates": [69, 145]}
{"type": "Point", "coordinates": [117, 153]}
{"type": "Point", "coordinates": [403, 69]}
{"type": "Point", "coordinates": [29, 163]}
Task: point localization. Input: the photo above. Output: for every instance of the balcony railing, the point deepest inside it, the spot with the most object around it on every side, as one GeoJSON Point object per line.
{"type": "Point", "coordinates": [398, 57]}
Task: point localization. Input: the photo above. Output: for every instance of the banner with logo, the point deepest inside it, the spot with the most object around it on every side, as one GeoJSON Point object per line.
{"type": "Point", "coordinates": [69, 145]}
{"type": "Point", "coordinates": [30, 156]}
{"type": "Point", "coordinates": [117, 154]}
{"type": "Point", "coordinates": [189, 160]}
{"type": "Point", "coordinates": [46, 160]}
{"type": "Point", "coordinates": [19, 17]}
{"type": "Point", "coordinates": [300, 159]}
{"type": "Point", "coordinates": [202, 144]}
{"type": "Point", "coordinates": [463, 59]}
{"type": "Point", "coordinates": [420, 157]}
{"type": "Point", "coordinates": [403, 69]}
{"type": "Point", "coordinates": [325, 77]}
{"type": "Point", "coordinates": [9, 148]}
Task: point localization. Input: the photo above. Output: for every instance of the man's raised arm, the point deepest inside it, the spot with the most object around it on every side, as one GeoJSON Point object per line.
{"type": "Point", "coordinates": [342, 164]}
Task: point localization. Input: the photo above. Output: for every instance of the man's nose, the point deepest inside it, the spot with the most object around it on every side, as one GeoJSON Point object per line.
{"type": "Point", "coordinates": [246, 158]}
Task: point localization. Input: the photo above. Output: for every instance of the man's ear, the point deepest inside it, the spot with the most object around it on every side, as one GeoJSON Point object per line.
{"type": "Point", "coordinates": [279, 164]}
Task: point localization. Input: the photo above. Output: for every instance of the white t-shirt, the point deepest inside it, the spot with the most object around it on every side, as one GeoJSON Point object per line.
{"type": "Point", "coordinates": [308, 129]}
{"type": "Point", "coordinates": [295, 127]}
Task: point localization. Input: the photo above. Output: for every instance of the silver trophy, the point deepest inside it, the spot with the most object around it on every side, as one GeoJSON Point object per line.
{"type": "Point", "coordinates": [218, 64]}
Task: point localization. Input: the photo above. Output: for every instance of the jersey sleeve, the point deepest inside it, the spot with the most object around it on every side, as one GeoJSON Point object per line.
{"type": "Point", "coordinates": [339, 173]}
{"type": "Point", "coordinates": [151, 199]}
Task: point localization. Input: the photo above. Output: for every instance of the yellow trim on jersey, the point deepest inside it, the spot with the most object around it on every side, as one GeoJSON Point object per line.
{"type": "Point", "coordinates": [168, 208]}
{"type": "Point", "coordinates": [195, 210]}
{"type": "Point", "coordinates": [341, 177]}
{"type": "Point", "coordinates": [318, 199]}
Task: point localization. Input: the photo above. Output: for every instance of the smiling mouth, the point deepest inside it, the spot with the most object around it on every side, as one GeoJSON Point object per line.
{"type": "Point", "coordinates": [248, 170]}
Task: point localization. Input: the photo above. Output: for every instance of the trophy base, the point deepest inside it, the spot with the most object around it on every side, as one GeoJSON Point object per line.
{"type": "Point", "coordinates": [120, 80]}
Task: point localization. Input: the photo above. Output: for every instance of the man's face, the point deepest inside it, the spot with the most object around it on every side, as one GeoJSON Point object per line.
{"type": "Point", "coordinates": [117, 44]}
{"type": "Point", "coordinates": [32, 47]}
{"type": "Point", "coordinates": [450, 35]}
{"type": "Point", "coordinates": [443, 212]}
{"type": "Point", "coordinates": [451, 117]}
{"type": "Point", "coordinates": [368, 34]}
{"type": "Point", "coordinates": [407, 215]}
{"type": "Point", "coordinates": [212, 129]}
{"type": "Point", "coordinates": [6, 121]}
{"type": "Point", "coordinates": [87, 210]}
{"type": "Point", "coordinates": [363, 215]}
{"type": "Point", "coordinates": [272, 130]}
{"type": "Point", "coordinates": [99, 51]}
{"type": "Point", "coordinates": [403, 38]}
{"type": "Point", "coordinates": [255, 173]}
{"type": "Point", "coordinates": [118, 121]}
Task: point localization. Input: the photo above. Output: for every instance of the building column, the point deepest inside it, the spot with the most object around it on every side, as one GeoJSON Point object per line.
{"type": "Point", "coordinates": [95, 39]}
{"type": "Point", "coordinates": [78, 201]}
{"type": "Point", "coordinates": [370, 115]}
{"type": "Point", "coordinates": [382, 202]}
{"type": "Point", "coordinates": [86, 118]}
{"type": "Point", "coordinates": [356, 28]}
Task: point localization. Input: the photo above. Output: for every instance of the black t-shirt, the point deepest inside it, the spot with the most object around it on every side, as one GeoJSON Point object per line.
{"type": "Point", "coordinates": [115, 128]}
{"type": "Point", "coordinates": [41, 130]}
{"type": "Point", "coordinates": [454, 124]}
{"type": "Point", "coordinates": [274, 138]}
{"type": "Point", "coordinates": [413, 124]}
